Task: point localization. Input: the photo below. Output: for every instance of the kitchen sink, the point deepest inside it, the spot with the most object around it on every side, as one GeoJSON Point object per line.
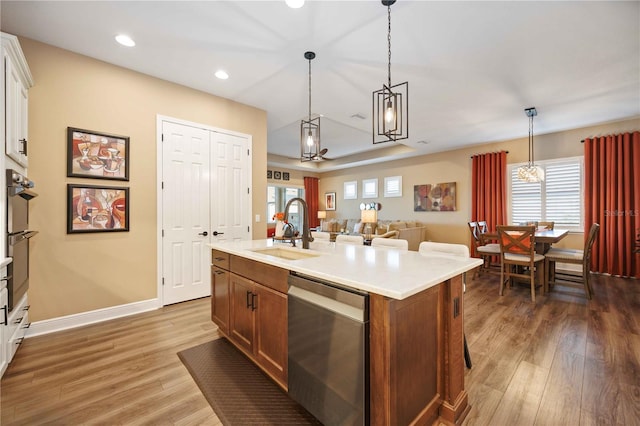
{"type": "Point", "coordinates": [287, 254]}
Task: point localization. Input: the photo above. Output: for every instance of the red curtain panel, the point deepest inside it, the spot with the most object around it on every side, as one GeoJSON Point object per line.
{"type": "Point", "coordinates": [488, 189]}
{"type": "Point", "coordinates": [311, 197]}
{"type": "Point", "coordinates": [612, 199]}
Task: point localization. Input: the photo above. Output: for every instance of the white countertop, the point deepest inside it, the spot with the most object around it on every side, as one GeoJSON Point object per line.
{"type": "Point", "coordinates": [385, 271]}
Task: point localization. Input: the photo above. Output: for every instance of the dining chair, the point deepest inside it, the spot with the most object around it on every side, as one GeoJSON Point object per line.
{"type": "Point", "coordinates": [482, 226]}
{"type": "Point", "coordinates": [486, 250]}
{"type": "Point", "coordinates": [390, 242]}
{"type": "Point", "coordinates": [454, 250]}
{"type": "Point", "coordinates": [545, 225]}
{"type": "Point", "coordinates": [349, 239]}
{"type": "Point", "coordinates": [319, 235]}
{"type": "Point", "coordinates": [517, 249]}
{"type": "Point", "coordinates": [580, 257]}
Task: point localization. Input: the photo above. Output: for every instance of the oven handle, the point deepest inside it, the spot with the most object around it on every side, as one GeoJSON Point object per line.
{"type": "Point", "coordinates": [16, 238]}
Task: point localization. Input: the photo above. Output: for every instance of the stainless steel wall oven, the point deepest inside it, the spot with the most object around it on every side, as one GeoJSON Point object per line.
{"type": "Point", "coordinates": [18, 233]}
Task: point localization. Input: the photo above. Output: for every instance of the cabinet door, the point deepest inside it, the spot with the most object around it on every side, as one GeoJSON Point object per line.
{"type": "Point", "coordinates": [241, 318]}
{"type": "Point", "coordinates": [4, 301]}
{"type": "Point", "coordinates": [271, 331]}
{"type": "Point", "coordinates": [220, 298]}
{"type": "Point", "coordinates": [16, 108]}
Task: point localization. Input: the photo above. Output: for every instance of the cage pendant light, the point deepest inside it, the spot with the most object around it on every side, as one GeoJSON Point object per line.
{"type": "Point", "coordinates": [530, 172]}
{"type": "Point", "coordinates": [391, 103]}
{"type": "Point", "coordinates": [310, 128]}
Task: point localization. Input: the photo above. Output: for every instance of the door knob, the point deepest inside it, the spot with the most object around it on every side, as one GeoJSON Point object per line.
{"type": "Point", "coordinates": [216, 233]}
{"type": "Point", "coordinates": [205, 233]}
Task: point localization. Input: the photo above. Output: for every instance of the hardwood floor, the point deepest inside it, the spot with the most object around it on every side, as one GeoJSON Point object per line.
{"type": "Point", "coordinates": [124, 371]}
{"type": "Point", "coordinates": [564, 361]}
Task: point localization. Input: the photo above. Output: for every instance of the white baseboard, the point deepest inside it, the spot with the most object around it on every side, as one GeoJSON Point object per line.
{"type": "Point", "coordinates": [569, 267]}
{"type": "Point", "coordinates": [91, 317]}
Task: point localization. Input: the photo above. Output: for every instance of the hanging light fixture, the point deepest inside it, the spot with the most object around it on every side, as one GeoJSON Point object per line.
{"type": "Point", "coordinates": [391, 103]}
{"type": "Point", "coordinates": [310, 128]}
{"type": "Point", "coordinates": [530, 172]}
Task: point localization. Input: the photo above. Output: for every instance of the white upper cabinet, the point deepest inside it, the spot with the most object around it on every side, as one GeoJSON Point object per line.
{"type": "Point", "coordinates": [17, 81]}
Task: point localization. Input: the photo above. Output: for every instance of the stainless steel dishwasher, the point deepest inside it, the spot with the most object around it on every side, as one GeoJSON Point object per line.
{"type": "Point", "coordinates": [329, 350]}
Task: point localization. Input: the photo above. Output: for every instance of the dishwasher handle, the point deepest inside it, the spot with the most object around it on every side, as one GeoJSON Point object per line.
{"type": "Point", "coordinates": [327, 303]}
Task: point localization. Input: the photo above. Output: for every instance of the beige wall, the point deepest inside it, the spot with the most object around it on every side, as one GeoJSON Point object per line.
{"type": "Point", "coordinates": [78, 273]}
{"type": "Point", "coordinates": [454, 166]}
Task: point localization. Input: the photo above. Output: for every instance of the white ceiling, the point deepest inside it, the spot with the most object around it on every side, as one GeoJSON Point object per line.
{"type": "Point", "coordinates": [472, 67]}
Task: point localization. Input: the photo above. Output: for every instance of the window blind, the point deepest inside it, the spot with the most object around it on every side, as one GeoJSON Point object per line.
{"type": "Point", "coordinates": [558, 198]}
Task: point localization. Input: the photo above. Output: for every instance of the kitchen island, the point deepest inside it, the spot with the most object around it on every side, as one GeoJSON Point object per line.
{"type": "Point", "coordinates": [416, 363]}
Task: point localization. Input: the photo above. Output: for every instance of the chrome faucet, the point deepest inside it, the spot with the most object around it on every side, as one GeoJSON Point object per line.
{"type": "Point", "coordinates": [306, 232]}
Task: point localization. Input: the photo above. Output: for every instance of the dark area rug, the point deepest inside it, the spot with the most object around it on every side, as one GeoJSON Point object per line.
{"type": "Point", "coordinates": [238, 391]}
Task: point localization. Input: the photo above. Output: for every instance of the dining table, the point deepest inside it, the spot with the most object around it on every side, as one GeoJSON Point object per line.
{"type": "Point", "coordinates": [544, 238]}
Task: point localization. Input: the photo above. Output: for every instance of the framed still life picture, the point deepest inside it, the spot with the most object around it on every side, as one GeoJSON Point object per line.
{"type": "Point", "coordinates": [97, 155]}
{"type": "Point", "coordinates": [97, 209]}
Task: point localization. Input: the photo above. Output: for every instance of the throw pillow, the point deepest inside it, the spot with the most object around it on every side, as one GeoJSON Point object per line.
{"type": "Point", "coordinates": [357, 228]}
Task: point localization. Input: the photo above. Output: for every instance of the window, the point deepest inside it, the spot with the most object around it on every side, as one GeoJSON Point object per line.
{"type": "Point", "coordinates": [351, 190]}
{"type": "Point", "coordinates": [393, 186]}
{"type": "Point", "coordinates": [370, 188]}
{"type": "Point", "coordinates": [557, 199]}
{"type": "Point", "coordinates": [277, 198]}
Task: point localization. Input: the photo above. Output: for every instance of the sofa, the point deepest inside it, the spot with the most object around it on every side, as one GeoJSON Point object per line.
{"type": "Point", "coordinates": [413, 231]}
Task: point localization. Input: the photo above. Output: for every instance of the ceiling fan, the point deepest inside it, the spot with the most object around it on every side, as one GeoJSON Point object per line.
{"type": "Point", "coordinates": [320, 156]}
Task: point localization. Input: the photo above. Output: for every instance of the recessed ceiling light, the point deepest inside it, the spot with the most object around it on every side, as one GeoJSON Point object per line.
{"type": "Point", "coordinates": [221, 74]}
{"type": "Point", "coordinates": [295, 4]}
{"type": "Point", "coordinates": [125, 40]}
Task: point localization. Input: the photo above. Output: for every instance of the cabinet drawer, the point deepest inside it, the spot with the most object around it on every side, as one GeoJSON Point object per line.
{"type": "Point", "coordinates": [17, 317]}
{"type": "Point", "coordinates": [19, 331]}
{"type": "Point", "coordinates": [220, 259]}
{"type": "Point", "coordinates": [267, 275]}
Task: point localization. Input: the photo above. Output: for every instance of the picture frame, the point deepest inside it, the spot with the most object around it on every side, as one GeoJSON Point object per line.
{"type": "Point", "coordinates": [95, 208]}
{"type": "Point", "coordinates": [269, 174]}
{"type": "Point", "coordinates": [277, 175]}
{"type": "Point", "coordinates": [438, 197]}
{"type": "Point", "coordinates": [330, 201]}
{"type": "Point", "coordinates": [285, 175]}
{"type": "Point", "coordinates": [97, 155]}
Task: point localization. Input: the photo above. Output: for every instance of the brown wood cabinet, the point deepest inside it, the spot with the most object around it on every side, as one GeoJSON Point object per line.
{"type": "Point", "coordinates": [416, 363]}
{"type": "Point", "coordinates": [249, 304]}
{"type": "Point", "coordinates": [242, 319]}
{"type": "Point", "coordinates": [220, 298]}
{"type": "Point", "coordinates": [220, 289]}
{"type": "Point", "coordinates": [271, 331]}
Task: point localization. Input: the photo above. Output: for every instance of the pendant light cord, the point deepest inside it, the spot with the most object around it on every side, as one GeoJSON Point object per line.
{"type": "Point", "coordinates": [309, 89]}
{"type": "Point", "coordinates": [389, 44]}
{"type": "Point", "coordinates": [531, 140]}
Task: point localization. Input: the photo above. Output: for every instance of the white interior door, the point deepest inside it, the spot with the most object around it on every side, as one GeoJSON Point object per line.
{"type": "Point", "coordinates": [185, 212]}
{"type": "Point", "coordinates": [230, 192]}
